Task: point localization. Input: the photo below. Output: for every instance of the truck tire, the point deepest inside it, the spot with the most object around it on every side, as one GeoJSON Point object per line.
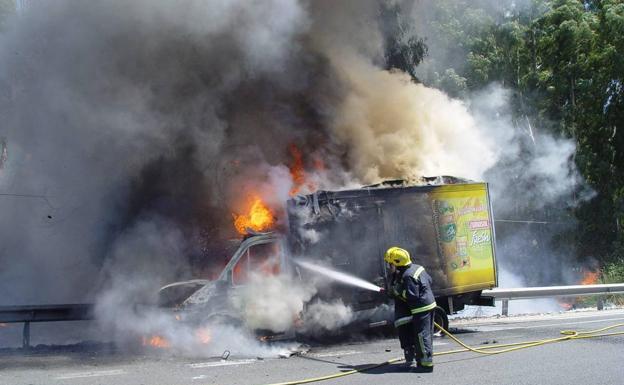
{"type": "Point", "coordinates": [440, 317]}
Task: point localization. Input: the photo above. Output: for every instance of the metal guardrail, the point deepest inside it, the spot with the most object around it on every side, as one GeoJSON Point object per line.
{"type": "Point", "coordinates": [44, 313]}
{"type": "Point", "coordinates": [553, 291]}
{"type": "Point", "coordinates": [85, 311]}
{"type": "Point", "coordinates": [506, 295]}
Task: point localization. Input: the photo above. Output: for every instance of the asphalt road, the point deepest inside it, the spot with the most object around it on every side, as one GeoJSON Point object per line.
{"type": "Point", "coordinates": [587, 361]}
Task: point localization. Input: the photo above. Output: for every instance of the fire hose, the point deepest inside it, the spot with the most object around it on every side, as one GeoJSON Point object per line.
{"type": "Point", "coordinates": [567, 335]}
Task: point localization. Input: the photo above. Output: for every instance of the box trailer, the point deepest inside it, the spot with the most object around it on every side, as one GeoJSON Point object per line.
{"type": "Point", "coordinates": [447, 228]}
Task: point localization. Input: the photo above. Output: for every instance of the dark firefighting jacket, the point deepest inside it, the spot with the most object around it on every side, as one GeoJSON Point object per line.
{"type": "Point", "coordinates": [411, 290]}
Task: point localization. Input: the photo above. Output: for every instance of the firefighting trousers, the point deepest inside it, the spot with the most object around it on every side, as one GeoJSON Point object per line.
{"type": "Point", "coordinates": [417, 337]}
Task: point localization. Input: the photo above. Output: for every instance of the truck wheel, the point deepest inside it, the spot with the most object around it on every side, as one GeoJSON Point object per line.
{"type": "Point", "coordinates": [440, 317]}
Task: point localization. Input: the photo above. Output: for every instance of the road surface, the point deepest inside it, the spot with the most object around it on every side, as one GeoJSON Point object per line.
{"type": "Point", "coordinates": [588, 361]}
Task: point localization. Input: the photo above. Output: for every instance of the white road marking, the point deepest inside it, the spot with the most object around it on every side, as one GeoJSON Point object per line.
{"type": "Point", "coordinates": [95, 373]}
{"type": "Point", "coordinates": [199, 365]}
{"type": "Point", "coordinates": [532, 318]}
{"type": "Point", "coordinates": [579, 322]}
{"type": "Point", "coordinates": [495, 328]}
{"type": "Point", "coordinates": [335, 354]}
{"type": "Point", "coordinates": [200, 377]}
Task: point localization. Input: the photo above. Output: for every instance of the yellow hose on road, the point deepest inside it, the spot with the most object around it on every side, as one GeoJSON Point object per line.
{"type": "Point", "coordinates": [567, 336]}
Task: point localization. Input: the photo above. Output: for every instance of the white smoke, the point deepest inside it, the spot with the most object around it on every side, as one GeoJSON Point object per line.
{"type": "Point", "coordinates": [515, 307]}
{"type": "Point", "coordinates": [525, 306]}
{"type": "Point", "coordinates": [535, 173]}
{"type": "Point", "coordinates": [273, 302]}
{"type": "Point", "coordinates": [145, 327]}
{"type": "Point", "coordinates": [306, 234]}
{"type": "Point", "coordinates": [323, 316]}
{"type": "Point", "coordinates": [526, 155]}
{"type": "Point", "coordinates": [282, 303]}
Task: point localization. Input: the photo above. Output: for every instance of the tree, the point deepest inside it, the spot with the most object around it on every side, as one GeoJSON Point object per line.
{"type": "Point", "coordinates": [564, 62]}
{"type": "Point", "coordinates": [403, 49]}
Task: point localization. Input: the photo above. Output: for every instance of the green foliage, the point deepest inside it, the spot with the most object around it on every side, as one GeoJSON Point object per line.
{"type": "Point", "coordinates": [564, 61]}
{"type": "Point", "coordinates": [404, 50]}
{"type": "Point", "coordinates": [613, 272]}
{"type": "Point", "coordinates": [451, 82]}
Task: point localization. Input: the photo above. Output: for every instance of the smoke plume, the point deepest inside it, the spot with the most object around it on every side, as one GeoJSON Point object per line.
{"type": "Point", "coordinates": [134, 130]}
{"type": "Point", "coordinates": [395, 128]}
{"type": "Point", "coordinates": [149, 115]}
{"type": "Point", "coordinates": [121, 114]}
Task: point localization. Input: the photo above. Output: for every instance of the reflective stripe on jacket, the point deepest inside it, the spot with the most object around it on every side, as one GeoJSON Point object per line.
{"type": "Point", "coordinates": [413, 294]}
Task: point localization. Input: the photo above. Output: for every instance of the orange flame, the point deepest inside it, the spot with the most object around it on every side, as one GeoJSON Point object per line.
{"type": "Point", "coordinates": [156, 341]}
{"type": "Point", "coordinates": [297, 171]}
{"type": "Point", "coordinates": [319, 165]}
{"type": "Point", "coordinates": [590, 277]}
{"type": "Point", "coordinates": [566, 303]}
{"type": "Point", "coordinates": [259, 218]}
{"type": "Point", "coordinates": [203, 335]}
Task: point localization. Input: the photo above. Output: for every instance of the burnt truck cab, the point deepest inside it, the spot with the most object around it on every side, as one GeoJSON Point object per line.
{"type": "Point", "coordinates": [202, 300]}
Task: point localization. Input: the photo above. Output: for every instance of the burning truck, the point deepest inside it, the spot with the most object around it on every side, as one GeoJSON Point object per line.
{"type": "Point", "coordinates": [444, 222]}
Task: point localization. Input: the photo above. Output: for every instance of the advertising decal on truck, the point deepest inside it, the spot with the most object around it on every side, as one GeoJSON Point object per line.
{"type": "Point", "coordinates": [465, 241]}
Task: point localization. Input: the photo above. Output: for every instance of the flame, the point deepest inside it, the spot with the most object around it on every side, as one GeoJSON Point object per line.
{"type": "Point", "coordinates": [319, 164]}
{"type": "Point", "coordinates": [590, 277]}
{"type": "Point", "coordinates": [566, 303]}
{"type": "Point", "coordinates": [259, 217]}
{"type": "Point", "coordinates": [156, 341]}
{"type": "Point", "coordinates": [203, 335]}
{"type": "Point", "coordinates": [297, 171]}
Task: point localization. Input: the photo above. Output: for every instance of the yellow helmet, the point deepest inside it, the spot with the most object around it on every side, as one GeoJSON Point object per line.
{"type": "Point", "coordinates": [398, 257]}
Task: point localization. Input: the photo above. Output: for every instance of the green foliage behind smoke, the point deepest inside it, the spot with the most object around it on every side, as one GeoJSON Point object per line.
{"type": "Point", "coordinates": [564, 62]}
{"type": "Point", "coordinates": [404, 50]}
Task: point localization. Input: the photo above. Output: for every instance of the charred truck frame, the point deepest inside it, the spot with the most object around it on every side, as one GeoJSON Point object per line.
{"type": "Point", "coordinates": [446, 225]}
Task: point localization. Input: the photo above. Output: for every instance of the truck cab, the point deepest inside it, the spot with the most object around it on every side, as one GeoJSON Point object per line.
{"type": "Point", "coordinates": [205, 300]}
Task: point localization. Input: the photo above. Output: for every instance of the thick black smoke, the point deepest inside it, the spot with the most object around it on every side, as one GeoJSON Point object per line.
{"type": "Point", "coordinates": [130, 119]}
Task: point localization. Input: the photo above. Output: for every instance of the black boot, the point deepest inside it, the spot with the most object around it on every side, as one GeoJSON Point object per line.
{"type": "Point", "coordinates": [409, 358]}
{"type": "Point", "coordinates": [423, 369]}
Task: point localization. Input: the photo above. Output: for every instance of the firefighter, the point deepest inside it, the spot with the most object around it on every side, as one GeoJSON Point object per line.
{"type": "Point", "coordinates": [410, 287]}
